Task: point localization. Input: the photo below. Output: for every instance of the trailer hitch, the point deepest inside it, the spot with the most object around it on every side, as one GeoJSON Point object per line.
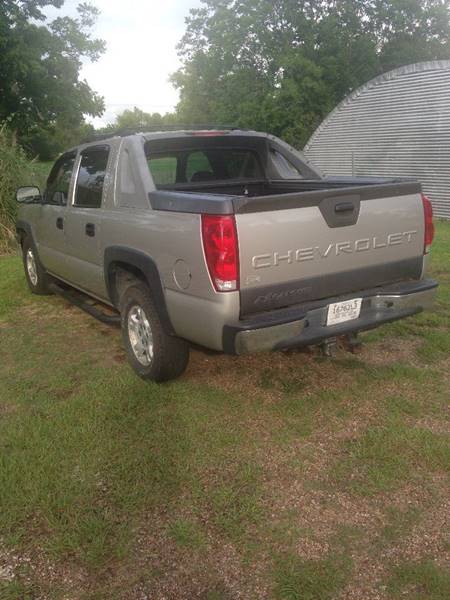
{"type": "Point", "coordinates": [329, 347]}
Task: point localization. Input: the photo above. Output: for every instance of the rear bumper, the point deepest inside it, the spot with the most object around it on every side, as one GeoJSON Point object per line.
{"type": "Point", "coordinates": [306, 324]}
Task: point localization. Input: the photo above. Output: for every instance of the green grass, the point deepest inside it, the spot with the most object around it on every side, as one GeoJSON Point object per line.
{"type": "Point", "coordinates": [384, 456]}
{"type": "Point", "coordinates": [187, 533]}
{"type": "Point", "coordinates": [225, 480]}
{"type": "Point", "coordinates": [399, 523]}
{"type": "Point", "coordinates": [310, 579]}
{"type": "Point", "coordinates": [420, 581]}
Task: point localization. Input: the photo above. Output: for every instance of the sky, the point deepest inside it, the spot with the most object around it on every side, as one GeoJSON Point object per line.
{"type": "Point", "coordinates": [141, 38]}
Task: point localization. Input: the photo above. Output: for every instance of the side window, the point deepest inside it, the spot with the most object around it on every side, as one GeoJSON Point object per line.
{"type": "Point", "coordinates": [91, 177]}
{"type": "Point", "coordinates": [163, 169]}
{"type": "Point", "coordinates": [197, 165]}
{"type": "Point", "coordinates": [58, 182]}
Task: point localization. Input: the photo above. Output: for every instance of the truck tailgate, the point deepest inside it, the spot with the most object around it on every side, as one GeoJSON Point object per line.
{"type": "Point", "coordinates": [302, 247]}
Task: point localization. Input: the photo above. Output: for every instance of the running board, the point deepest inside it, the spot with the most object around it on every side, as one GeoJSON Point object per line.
{"type": "Point", "coordinates": [85, 303]}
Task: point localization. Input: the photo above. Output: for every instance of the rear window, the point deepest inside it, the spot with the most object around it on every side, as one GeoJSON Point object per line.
{"type": "Point", "coordinates": [201, 165]}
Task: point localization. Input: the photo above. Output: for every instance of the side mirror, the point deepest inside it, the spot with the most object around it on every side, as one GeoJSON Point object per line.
{"type": "Point", "coordinates": [28, 195]}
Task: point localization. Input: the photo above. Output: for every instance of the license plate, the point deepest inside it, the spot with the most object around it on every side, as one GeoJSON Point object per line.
{"type": "Point", "coordinates": [344, 311]}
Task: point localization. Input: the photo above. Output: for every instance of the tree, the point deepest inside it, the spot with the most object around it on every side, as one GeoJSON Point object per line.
{"type": "Point", "coordinates": [138, 120]}
{"type": "Point", "coordinates": [281, 65]}
{"type": "Point", "coordinates": [299, 101]}
{"type": "Point", "coordinates": [41, 94]}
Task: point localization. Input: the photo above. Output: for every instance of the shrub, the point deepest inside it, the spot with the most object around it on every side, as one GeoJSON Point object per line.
{"type": "Point", "coordinates": [15, 170]}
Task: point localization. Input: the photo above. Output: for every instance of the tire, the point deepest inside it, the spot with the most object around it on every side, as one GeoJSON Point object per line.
{"type": "Point", "coordinates": [37, 279]}
{"type": "Point", "coordinates": [153, 354]}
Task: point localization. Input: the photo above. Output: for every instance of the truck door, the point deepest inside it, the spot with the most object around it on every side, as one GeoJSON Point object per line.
{"type": "Point", "coordinates": [83, 229]}
{"type": "Point", "coordinates": [51, 237]}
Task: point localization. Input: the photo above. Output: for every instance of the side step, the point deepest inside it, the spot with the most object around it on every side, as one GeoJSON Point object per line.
{"type": "Point", "coordinates": [86, 303]}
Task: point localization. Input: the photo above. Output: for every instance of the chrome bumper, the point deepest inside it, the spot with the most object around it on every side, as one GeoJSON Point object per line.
{"type": "Point", "coordinates": [310, 325]}
{"type": "Point", "coordinates": [421, 300]}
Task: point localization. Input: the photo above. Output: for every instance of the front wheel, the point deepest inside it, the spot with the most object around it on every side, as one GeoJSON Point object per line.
{"type": "Point", "coordinates": [153, 354]}
{"type": "Point", "coordinates": [37, 279]}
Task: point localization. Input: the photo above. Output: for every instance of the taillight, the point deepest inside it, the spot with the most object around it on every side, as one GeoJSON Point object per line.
{"type": "Point", "coordinates": [220, 244]}
{"type": "Point", "coordinates": [429, 226]}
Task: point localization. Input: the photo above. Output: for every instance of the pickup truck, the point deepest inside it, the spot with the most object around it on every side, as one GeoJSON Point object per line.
{"type": "Point", "coordinates": [229, 239]}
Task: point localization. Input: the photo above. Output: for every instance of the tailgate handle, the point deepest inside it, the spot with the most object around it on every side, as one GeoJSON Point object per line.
{"type": "Point", "coordinates": [344, 207]}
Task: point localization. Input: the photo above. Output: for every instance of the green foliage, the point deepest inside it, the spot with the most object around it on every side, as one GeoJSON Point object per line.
{"type": "Point", "coordinates": [282, 66]}
{"type": "Point", "coordinates": [15, 170]}
{"type": "Point", "coordinates": [298, 102]}
{"type": "Point", "coordinates": [139, 120]}
{"type": "Point", "coordinates": [41, 95]}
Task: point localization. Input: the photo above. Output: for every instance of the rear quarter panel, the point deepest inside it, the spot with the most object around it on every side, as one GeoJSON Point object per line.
{"type": "Point", "coordinates": [173, 241]}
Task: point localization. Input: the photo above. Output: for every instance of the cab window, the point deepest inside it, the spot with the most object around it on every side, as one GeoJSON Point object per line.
{"type": "Point", "coordinates": [91, 177]}
{"type": "Point", "coordinates": [163, 169]}
{"type": "Point", "coordinates": [202, 165]}
{"type": "Point", "coordinates": [198, 163]}
{"type": "Point", "coordinates": [58, 182]}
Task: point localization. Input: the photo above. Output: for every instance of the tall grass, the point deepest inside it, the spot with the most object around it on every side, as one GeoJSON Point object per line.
{"type": "Point", "coordinates": [15, 170]}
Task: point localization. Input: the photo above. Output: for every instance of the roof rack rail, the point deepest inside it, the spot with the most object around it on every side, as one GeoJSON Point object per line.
{"type": "Point", "coordinates": [191, 127]}
{"type": "Point", "coordinates": [97, 137]}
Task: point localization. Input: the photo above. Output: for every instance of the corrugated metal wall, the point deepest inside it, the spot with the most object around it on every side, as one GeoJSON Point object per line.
{"type": "Point", "coordinates": [395, 125]}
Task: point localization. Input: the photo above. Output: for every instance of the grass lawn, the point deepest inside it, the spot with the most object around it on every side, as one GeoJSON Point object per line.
{"type": "Point", "coordinates": [279, 476]}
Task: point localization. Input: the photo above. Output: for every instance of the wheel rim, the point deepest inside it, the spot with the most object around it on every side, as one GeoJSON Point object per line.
{"type": "Point", "coordinates": [31, 267]}
{"type": "Point", "coordinates": [140, 335]}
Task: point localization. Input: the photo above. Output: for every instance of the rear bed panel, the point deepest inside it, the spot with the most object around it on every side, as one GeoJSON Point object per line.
{"type": "Point", "coordinates": [293, 255]}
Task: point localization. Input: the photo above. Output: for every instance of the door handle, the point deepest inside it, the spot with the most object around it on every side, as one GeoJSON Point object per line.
{"type": "Point", "coordinates": [60, 223]}
{"type": "Point", "coordinates": [90, 229]}
{"type": "Point", "coordinates": [344, 207]}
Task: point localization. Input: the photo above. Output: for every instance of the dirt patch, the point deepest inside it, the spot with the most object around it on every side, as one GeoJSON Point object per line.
{"type": "Point", "coordinates": [35, 571]}
{"type": "Point", "coordinates": [80, 334]}
{"type": "Point", "coordinates": [272, 375]}
{"type": "Point", "coordinates": [439, 426]}
{"type": "Point", "coordinates": [7, 409]}
{"type": "Point", "coordinates": [392, 350]}
{"type": "Point", "coordinates": [429, 539]}
{"type": "Point", "coordinates": [167, 570]}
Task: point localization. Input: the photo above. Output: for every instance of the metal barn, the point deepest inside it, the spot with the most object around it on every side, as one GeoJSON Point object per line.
{"type": "Point", "coordinates": [397, 124]}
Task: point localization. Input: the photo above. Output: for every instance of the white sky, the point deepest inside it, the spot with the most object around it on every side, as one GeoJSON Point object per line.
{"type": "Point", "coordinates": [141, 38]}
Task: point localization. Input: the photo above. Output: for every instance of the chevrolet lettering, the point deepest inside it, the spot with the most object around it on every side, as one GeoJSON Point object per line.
{"type": "Point", "coordinates": [302, 254]}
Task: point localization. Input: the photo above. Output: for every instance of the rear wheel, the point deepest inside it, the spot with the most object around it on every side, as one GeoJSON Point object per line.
{"type": "Point", "coordinates": [153, 354]}
{"type": "Point", "coordinates": [37, 279]}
